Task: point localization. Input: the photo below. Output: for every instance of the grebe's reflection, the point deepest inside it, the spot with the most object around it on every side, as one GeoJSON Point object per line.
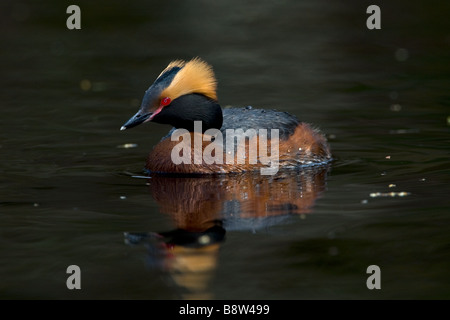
{"type": "Point", "coordinates": [203, 207]}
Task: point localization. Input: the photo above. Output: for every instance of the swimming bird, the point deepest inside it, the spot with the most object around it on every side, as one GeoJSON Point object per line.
{"type": "Point", "coordinates": [184, 96]}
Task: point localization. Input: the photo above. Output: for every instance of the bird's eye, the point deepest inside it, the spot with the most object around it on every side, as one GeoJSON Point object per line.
{"type": "Point", "coordinates": [165, 101]}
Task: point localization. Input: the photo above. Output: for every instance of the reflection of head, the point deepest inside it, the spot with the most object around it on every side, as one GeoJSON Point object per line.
{"type": "Point", "coordinates": [190, 258]}
{"type": "Point", "coordinates": [193, 268]}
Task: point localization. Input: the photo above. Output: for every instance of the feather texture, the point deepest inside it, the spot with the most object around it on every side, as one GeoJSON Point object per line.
{"type": "Point", "coordinates": [195, 76]}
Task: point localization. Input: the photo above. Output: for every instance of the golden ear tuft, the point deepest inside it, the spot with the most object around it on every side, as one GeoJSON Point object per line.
{"type": "Point", "coordinates": [175, 63]}
{"type": "Point", "coordinates": [195, 76]}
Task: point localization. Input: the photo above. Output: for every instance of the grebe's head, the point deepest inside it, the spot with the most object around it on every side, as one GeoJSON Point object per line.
{"type": "Point", "coordinates": [184, 92]}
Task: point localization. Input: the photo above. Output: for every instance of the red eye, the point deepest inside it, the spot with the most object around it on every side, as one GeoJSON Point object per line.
{"type": "Point", "coordinates": [165, 101]}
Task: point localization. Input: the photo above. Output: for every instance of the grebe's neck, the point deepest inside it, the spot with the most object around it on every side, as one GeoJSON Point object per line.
{"type": "Point", "coordinates": [183, 111]}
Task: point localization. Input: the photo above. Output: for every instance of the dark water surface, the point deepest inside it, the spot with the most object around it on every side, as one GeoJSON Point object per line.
{"type": "Point", "coordinates": [69, 192]}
